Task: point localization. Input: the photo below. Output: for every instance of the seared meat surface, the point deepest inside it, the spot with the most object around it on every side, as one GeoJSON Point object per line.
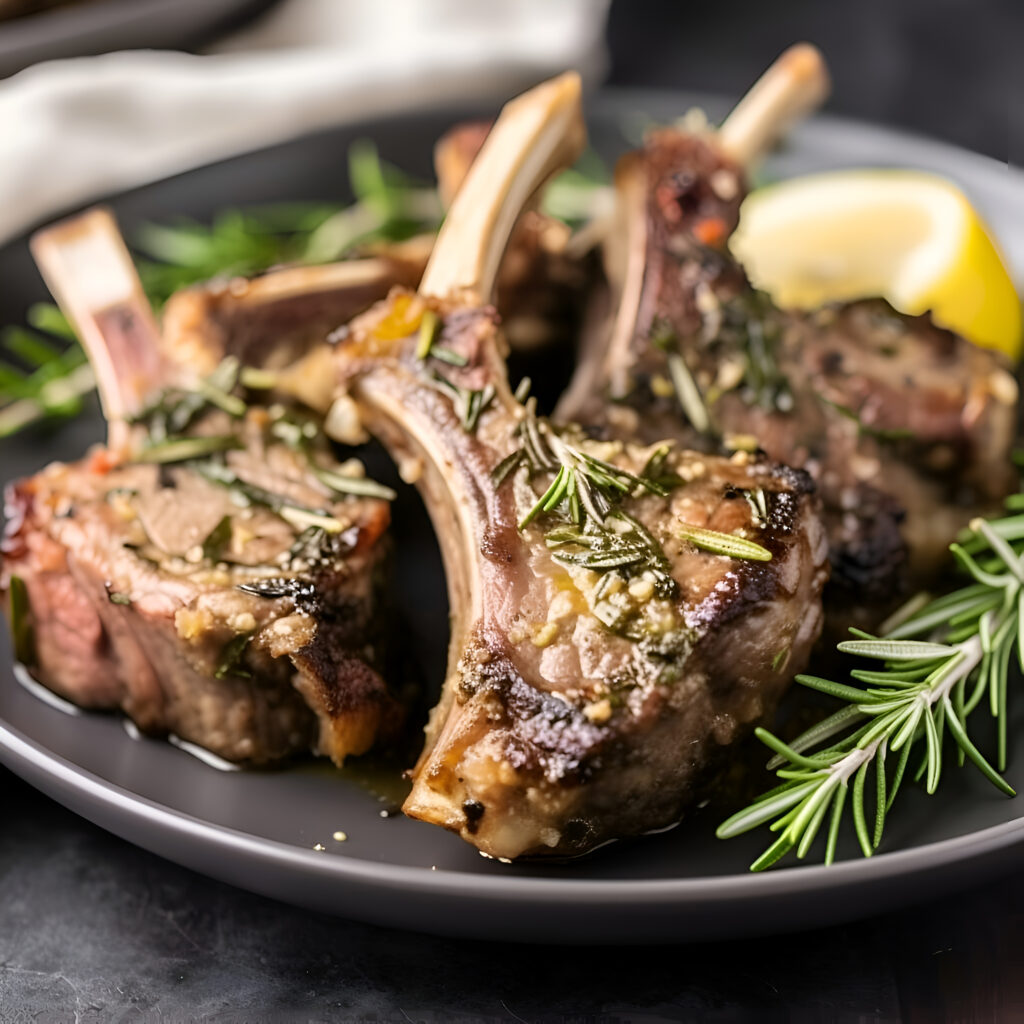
{"type": "Point", "coordinates": [905, 427]}
{"type": "Point", "coordinates": [276, 318]}
{"type": "Point", "coordinates": [213, 571]}
{"type": "Point", "coordinates": [152, 590]}
{"type": "Point", "coordinates": [621, 612]}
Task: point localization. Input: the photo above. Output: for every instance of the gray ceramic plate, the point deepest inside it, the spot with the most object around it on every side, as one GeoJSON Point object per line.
{"type": "Point", "coordinates": [259, 829]}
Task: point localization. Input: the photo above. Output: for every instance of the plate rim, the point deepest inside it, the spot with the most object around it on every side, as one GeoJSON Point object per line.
{"type": "Point", "coordinates": [17, 750]}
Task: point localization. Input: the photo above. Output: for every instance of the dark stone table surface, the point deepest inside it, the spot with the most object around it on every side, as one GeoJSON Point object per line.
{"type": "Point", "coordinates": [94, 930]}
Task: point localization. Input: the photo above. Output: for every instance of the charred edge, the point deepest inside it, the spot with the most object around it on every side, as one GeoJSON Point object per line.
{"type": "Point", "coordinates": [474, 811]}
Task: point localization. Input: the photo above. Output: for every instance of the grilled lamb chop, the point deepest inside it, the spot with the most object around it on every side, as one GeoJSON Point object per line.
{"type": "Point", "coordinates": [212, 572]}
{"type": "Point", "coordinates": [905, 427]}
{"type": "Point", "coordinates": [621, 613]}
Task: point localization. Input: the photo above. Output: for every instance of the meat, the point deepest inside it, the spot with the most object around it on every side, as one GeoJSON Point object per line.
{"type": "Point", "coordinates": [214, 571]}
{"type": "Point", "coordinates": [272, 320]}
{"type": "Point", "coordinates": [621, 613]}
{"type": "Point", "coordinates": [905, 427]}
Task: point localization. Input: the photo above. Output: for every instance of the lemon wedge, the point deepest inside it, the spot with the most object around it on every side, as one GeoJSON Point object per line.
{"type": "Point", "coordinates": [911, 237]}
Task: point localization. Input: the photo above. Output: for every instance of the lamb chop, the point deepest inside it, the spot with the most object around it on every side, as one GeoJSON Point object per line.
{"type": "Point", "coordinates": [621, 613]}
{"type": "Point", "coordinates": [212, 571]}
{"type": "Point", "coordinates": [905, 427]}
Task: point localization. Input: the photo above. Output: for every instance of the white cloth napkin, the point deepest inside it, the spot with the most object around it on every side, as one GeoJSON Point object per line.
{"type": "Point", "coordinates": [78, 129]}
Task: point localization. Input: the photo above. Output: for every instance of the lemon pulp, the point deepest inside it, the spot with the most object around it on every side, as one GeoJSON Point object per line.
{"type": "Point", "coordinates": [911, 237]}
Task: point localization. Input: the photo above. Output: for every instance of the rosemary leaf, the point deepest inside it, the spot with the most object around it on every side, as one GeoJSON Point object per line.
{"type": "Point", "coordinates": [725, 544]}
{"type": "Point", "coordinates": [184, 449]}
{"type": "Point", "coordinates": [230, 661]}
{"type": "Point", "coordinates": [689, 394]}
{"type": "Point", "coordinates": [428, 331]}
{"type": "Point", "coordinates": [22, 633]}
{"type": "Point", "coordinates": [355, 485]}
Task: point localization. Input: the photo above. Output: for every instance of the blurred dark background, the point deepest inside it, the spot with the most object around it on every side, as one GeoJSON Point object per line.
{"type": "Point", "coordinates": [947, 68]}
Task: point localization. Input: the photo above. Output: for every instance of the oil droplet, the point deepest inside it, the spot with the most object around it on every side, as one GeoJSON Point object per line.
{"type": "Point", "coordinates": [340, 837]}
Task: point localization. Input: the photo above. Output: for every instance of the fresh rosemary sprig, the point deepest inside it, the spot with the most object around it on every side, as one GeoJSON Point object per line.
{"type": "Point", "coordinates": [40, 375]}
{"type": "Point", "coordinates": [939, 660]}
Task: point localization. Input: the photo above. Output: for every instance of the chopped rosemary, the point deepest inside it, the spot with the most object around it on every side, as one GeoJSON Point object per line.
{"type": "Point", "coordinates": [303, 517]}
{"type": "Point", "coordinates": [118, 597]}
{"type": "Point", "coordinates": [230, 661]}
{"type": "Point", "coordinates": [689, 394]}
{"type": "Point", "coordinates": [429, 325]}
{"type": "Point", "coordinates": [22, 634]}
{"type": "Point", "coordinates": [217, 539]}
{"type": "Point", "coordinates": [941, 658]}
{"type": "Point", "coordinates": [173, 411]}
{"type": "Point", "coordinates": [300, 590]}
{"type": "Point", "coordinates": [245, 494]}
{"type": "Point", "coordinates": [758, 501]}
{"type": "Point", "coordinates": [184, 449]}
{"type": "Point", "coordinates": [355, 485]}
{"type": "Point", "coordinates": [470, 403]}
{"type": "Point", "coordinates": [584, 487]}
{"type": "Point", "coordinates": [449, 356]}
{"type": "Point", "coordinates": [656, 472]}
{"type": "Point", "coordinates": [627, 545]}
{"type": "Point", "coordinates": [584, 499]}
{"type": "Point", "coordinates": [881, 434]}
{"type": "Point", "coordinates": [726, 544]}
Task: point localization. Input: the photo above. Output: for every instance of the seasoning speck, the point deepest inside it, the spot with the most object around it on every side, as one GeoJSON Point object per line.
{"type": "Point", "coordinates": [319, 847]}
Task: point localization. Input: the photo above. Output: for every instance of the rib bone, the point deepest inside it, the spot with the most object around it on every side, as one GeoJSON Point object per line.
{"type": "Point", "coordinates": [90, 272]}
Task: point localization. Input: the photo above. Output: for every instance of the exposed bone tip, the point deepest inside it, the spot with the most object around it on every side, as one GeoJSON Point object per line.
{"type": "Point", "coordinates": [90, 272]}
{"type": "Point", "coordinates": [538, 133]}
{"type": "Point", "coordinates": [806, 65]}
{"type": "Point", "coordinates": [795, 84]}
{"type": "Point", "coordinates": [98, 220]}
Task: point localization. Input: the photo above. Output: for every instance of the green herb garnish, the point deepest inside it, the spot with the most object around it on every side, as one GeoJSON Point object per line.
{"type": "Point", "coordinates": [937, 662]}
{"type": "Point", "coordinates": [897, 434]}
{"type": "Point", "coordinates": [689, 394]}
{"type": "Point", "coordinates": [727, 544]}
{"type": "Point", "coordinates": [356, 485]}
{"type": "Point", "coordinates": [217, 539]}
{"type": "Point", "coordinates": [583, 501]}
{"type": "Point", "coordinates": [185, 449]}
{"type": "Point", "coordinates": [245, 494]}
{"type": "Point", "coordinates": [22, 634]}
{"type": "Point", "coordinates": [230, 661]}
{"type": "Point", "coordinates": [428, 331]}
{"type": "Point", "coordinates": [470, 403]}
